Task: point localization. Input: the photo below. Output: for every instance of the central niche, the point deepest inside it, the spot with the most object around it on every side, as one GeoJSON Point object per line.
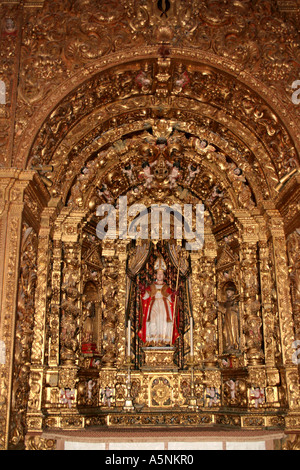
{"type": "Point", "coordinates": [158, 303]}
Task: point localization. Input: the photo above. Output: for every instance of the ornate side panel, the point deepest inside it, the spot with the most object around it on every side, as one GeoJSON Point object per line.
{"type": "Point", "coordinates": [10, 42]}
{"type": "Point", "coordinates": [70, 308]}
{"type": "Point", "coordinates": [23, 335]}
{"type": "Point", "coordinates": [7, 320]}
{"type": "Point", "coordinates": [269, 314]}
{"type": "Point", "coordinates": [8, 308]}
{"type": "Point", "coordinates": [282, 281]}
{"type": "Point", "coordinates": [5, 184]}
{"type": "Point", "coordinates": [18, 184]}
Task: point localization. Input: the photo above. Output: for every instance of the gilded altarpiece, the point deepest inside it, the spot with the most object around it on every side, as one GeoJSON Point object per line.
{"type": "Point", "coordinates": [160, 103]}
{"type": "Point", "coordinates": [87, 296]}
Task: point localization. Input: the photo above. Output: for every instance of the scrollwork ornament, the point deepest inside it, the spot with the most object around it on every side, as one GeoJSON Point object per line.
{"type": "Point", "coordinates": [38, 443]}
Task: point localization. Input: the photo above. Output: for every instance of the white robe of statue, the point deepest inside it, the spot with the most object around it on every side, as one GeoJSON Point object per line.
{"type": "Point", "coordinates": [158, 328]}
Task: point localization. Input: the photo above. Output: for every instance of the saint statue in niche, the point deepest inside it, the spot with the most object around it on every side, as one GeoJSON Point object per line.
{"type": "Point", "coordinates": [158, 305]}
{"type": "Point", "coordinates": [229, 308]}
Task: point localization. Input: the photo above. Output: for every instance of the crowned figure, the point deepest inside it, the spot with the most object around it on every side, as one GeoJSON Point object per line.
{"type": "Point", "coordinates": [158, 305]}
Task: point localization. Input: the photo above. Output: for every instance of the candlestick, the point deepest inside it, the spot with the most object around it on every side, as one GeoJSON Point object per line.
{"type": "Point", "coordinates": [128, 405]}
{"type": "Point", "coordinates": [128, 338]}
{"type": "Point", "coordinates": [191, 337]}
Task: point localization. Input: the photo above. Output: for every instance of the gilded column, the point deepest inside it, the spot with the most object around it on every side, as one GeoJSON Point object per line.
{"type": "Point", "coordinates": [251, 303]}
{"type": "Point", "coordinates": [293, 251]}
{"type": "Point", "coordinates": [54, 311]}
{"type": "Point", "coordinates": [268, 314]}
{"type": "Point", "coordinates": [290, 378]}
{"type": "Point", "coordinates": [110, 304]}
{"type": "Point", "coordinates": [70, 306]}
{"type": "Point", "coordinates": [208, 302]}
{"type": "Point", "coordinates": [113, 311]}
{"type": "Point", "coordinates": [121, 330]}
{"type": "Point", "coordinates": [196, 265]}
{"type": "Point", "coordinates": [34, 412]}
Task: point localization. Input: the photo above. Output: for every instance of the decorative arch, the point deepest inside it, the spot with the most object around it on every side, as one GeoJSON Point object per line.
{"type": "Point", "coordinates": [266, 122]}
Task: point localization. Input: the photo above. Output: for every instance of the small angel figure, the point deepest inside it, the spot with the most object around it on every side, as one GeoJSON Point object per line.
{"type": "Point", "coordinates": [90, 385]}
{"type": "Point", "coordinates": [237, 173]}
{"type": "Point", "coordinates": [258, 395]}
{"type": "Point", "coordinates": [203, 146]}
{"type": "Point", "coordinates": [104, 192]}
{"type": "Point", "coordinates": [128, 171]}
{"type": "Point", "coordinates": [135, 190]}
{"type": "Point", "coordinates": [216, 193]}
{"type": "Point", "coordinates": [193, 171]}
{"type": "Point", "coordinates": [161, 143]}
{"type": "Point", "coordinates": [95, 363]}
{"type": "Point", "coordinates": [107, 394]}
{"type": "Point", "coordinates": [232, 384]}
{"type": "Point", "coordinates": [213, 396]}
{"type": "Point", "coordinates": [10, 27]}
{"type": "Point", "coordinates": [148, 176]}
{"type": "Point", "coordinates": [290, 163]}
{"type": "Point", "coordinates": [67, 396]}
{"type": "Point", "coordinates": [227, 363]}
{"type": "Point", "coordinates": [174, 174]}
{"type": "Point", "coordinates": [143, 81]}
{"type": "Point", "coordinates": [76, 195]}
{"type": "Point", "coordinates": [88, 171]}
{"type": "Point", "coordinates": [182, 81]}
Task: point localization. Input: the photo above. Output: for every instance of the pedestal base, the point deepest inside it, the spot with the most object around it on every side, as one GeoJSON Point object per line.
{"type": "Point", "coordinates": [159, 358]}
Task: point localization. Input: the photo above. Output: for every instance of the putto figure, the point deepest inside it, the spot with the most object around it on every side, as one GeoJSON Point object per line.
{"type": "Point", "coordinates": [158, 303]}
{"type": "Point", "coordinates": [146, 174]}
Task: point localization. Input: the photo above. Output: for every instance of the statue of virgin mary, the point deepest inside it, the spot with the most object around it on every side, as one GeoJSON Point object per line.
{"type": "Point", "coordinates": [158, 304]}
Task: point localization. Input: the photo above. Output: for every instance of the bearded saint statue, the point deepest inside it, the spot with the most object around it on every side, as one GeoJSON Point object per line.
{"type": "Point", "coordinates": [158, 304]}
